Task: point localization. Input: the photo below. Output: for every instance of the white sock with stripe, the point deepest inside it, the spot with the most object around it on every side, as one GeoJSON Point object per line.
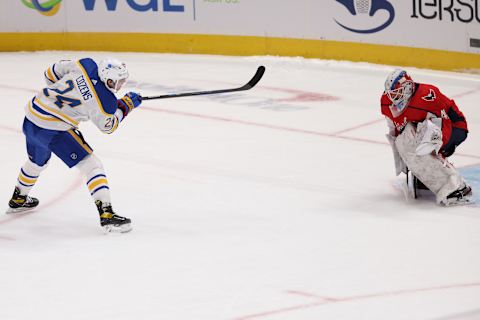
{"type": "Point", "coordinates": [28, 176]}
{"type": "Point", "coordinates": [96, 179]}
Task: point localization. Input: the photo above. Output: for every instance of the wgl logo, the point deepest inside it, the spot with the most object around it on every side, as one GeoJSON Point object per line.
{"type": "Point", "coordinates": [47, 8]}
{"type": "Point", "coordinates": [51, 7]}
{"type": "Point", "coordinates": [370, 7]}
{"type": "Point", "coordinates": [151, 5]}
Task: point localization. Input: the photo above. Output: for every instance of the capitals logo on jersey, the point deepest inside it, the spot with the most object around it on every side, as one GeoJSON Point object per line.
{"type": "Point", "coordinates": [430, 96]}
{"type": "Point", "coordinates": [399, 126]}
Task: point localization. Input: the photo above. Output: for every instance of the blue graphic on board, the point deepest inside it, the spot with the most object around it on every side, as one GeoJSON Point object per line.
{"type": "Point", "coordinates": [367, 8]}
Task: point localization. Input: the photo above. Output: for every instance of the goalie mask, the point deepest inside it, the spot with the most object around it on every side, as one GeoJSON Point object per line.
{"type": "Point", "coordinates": [114, 70]}
{"type": "Point", "coordinates": [399, 88]}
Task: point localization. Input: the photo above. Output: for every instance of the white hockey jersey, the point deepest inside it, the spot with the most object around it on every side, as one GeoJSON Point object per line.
{"type": "Point", "coordinates": [74, 94]}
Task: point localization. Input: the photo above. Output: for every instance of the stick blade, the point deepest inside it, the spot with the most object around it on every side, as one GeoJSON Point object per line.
{"type": "Point", "coordinates": [256, 78]}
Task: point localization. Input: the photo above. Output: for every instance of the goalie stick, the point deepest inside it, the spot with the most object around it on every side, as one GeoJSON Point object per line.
{"type": "Point", "coordinates": [256, 78]}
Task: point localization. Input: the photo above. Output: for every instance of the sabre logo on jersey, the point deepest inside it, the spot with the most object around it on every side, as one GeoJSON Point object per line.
{"type": "Point", "coordinates": [366, 10]}
{"type": "Point", "coordinates": [47, 8]}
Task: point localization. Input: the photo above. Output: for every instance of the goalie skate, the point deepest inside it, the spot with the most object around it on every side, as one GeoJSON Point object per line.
{"type": "Point", "coordinates": [21, 203]}
{"type": "Point", "coordinates": [459, 198]}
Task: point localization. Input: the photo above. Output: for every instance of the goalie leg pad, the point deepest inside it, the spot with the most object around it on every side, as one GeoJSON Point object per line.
{"type": "Point", "coordinates": [436, 173]}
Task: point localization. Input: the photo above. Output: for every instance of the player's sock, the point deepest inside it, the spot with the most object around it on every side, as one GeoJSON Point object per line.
{"type": "Point", "coordinates": [97, 184]}
{"type": "Point", "coordinates": [28, 176]}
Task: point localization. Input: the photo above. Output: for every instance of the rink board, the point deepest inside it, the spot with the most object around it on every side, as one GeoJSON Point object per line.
{"type": "Point", "coordinates": [385, 32]}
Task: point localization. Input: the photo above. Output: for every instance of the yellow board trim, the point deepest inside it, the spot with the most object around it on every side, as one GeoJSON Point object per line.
{"type": "Point", "coordinates": [80, 142]}
{"type": "Point", "coordinates": [98, 182]}
{"type": "Point", "coordinates": [240, 46]}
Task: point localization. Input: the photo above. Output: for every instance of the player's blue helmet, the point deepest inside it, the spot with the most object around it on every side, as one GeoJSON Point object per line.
{"type": "Point", "coordinates": [115, 70]}
{"type": "Point", "coordinates": [399, 88]}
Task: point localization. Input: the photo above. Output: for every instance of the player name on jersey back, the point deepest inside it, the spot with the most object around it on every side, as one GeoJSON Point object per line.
{"type": "Point", "coordinates": [83, 88]}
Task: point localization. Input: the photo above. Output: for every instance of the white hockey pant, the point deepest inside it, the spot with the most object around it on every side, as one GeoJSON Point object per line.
{"type": "Point", "coordinates": [435, 172]}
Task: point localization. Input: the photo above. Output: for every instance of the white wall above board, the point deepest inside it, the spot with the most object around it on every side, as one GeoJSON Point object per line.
{"type": "Point", "coordinates": [452, 25]}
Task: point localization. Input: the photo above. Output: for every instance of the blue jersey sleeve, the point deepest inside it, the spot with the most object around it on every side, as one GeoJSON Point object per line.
{"type": "Point", "coordinates": [106, 99]}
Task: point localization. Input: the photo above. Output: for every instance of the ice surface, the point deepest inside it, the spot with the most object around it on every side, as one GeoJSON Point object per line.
{"type": "Point", "coordinates": [275, 203]}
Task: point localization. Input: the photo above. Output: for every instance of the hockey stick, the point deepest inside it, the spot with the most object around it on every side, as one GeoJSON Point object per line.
{"type": "Point", "coordinates": [256, 78]}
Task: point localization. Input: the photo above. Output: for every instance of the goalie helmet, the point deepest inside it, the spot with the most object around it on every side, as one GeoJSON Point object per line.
{"type": "Point", "coordinates": [399, 88]}
{"type": "Point", "coordinates": [114, 70]}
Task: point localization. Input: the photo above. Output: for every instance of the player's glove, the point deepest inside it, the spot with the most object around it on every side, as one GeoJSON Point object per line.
{"type": "Point", "coordinates": [132, 99]}
{"type": "Point", "coordinates": [129, 102]}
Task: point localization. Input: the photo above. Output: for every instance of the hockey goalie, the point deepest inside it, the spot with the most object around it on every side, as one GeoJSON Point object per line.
{"type": "Point", "coordinates": [425, 127]}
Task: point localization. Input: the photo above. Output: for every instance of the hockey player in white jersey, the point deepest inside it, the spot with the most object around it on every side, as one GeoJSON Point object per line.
{"type": "Point", "coordinates": [76, 91]}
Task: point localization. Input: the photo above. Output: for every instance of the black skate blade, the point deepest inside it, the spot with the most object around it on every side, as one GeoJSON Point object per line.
{"type": "Point", "coordinates": [123, 228]}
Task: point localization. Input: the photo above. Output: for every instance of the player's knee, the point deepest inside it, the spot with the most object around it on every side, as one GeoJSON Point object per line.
{"type": "Point", "coordinates": [89, 165]}
{"type": "Point", "coordinates": [32, 167]}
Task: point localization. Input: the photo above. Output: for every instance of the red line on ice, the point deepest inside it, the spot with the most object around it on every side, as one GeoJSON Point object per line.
{"type": "Point", "coordinates": [320, 96]}
{"type": "Point", "coordinates": [281, 128]}
{"type": "Point", "coordinates": [324, 301]}
{"type": "Point", "coordinates": [75, 184]}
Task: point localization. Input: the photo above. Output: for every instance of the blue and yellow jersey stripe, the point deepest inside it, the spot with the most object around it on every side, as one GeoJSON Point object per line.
{"type": "Point", "coordinates": [54, 72]}
{"type": "Point", "coordinates": [106, 100]}
{"type": "Point", "coordinates": [51, 75]}
{"type": "Point", "coordinates": [40, 114]}
{"type": "Point", "coordinates": [80, 141]}
{"type": "Point", "coordinates": [50, 111]}
{"type": "Point", "coordinates": [92, 88]}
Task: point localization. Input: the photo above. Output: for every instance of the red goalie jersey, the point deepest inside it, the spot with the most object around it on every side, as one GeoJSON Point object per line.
{"type": "Point", "coordinates": [426, 99]}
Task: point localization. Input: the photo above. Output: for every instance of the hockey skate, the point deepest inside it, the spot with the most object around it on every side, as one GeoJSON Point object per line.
{"type": "Point", "coordinates": [110, 221]}
{"type": "Point", "coordinates": [21, 203]}
{"type": "Point", "coordinates": [459, 197]}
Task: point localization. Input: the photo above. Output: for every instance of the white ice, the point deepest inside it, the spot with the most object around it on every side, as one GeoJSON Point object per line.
{"type": "Point", "coordinates": [276, 203]}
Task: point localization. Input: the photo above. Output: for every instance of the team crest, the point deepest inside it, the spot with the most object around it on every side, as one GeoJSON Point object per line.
{"type": "Point", "coordinates": [430, 97]}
